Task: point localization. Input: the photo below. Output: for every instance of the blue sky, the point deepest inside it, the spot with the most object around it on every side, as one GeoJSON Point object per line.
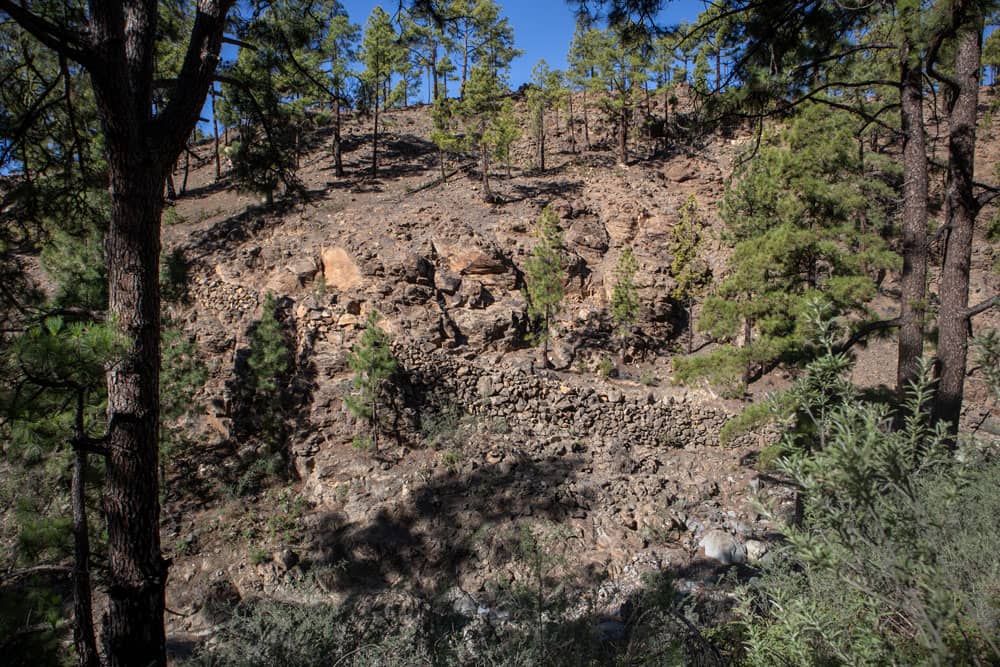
{"type": "Point", "coordinates": [542, 28]}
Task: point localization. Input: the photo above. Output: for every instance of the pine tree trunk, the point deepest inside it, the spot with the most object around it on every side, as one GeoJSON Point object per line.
{"type": "Point", "coordinates": [171, 192]}
{"type": "Point", "coordinates": [649, 106]}
{"type": "Point", "coordinates": [485, 160]}
{"type": "Point", "coordinates": [375, 141]}
{"type": "Point", "coordinates": [187, 170]}
{"type": "Point", "coordinates": [133, 624]}
{"type": "Point", "coordinates": [586, 123]}
{"type": "Point", "coordinates": [569, 124]}
{"type": "Point", "coordinates": [338, 146]}
{"type": "Point", "coordinates": [84, 639]}
{"type": "Point", "coordinates": [690, 331]}
{"type": "Point", "coordinates": [546, 364]}
{"type": "Point", "coordinates": [433, 71]}
{"type": "Point", "coordinates": [913, 282]}
{"type": "Point", "coordinates": [375, 424]}
{"type": "Point", "coordinates": [953, 321]}
{"type": "Point", "coordinates": [539, 120]}
{"type": "Point", "coordinates": [465, 66]}
{"type": "Point", "coordinates": [622, 138]}
{"type": "Point", "coordinates": [747, 340]}
{"type": "Point", "coordinates": [215, 135]}
{"type": "Point", "coordinates": [666, 117]}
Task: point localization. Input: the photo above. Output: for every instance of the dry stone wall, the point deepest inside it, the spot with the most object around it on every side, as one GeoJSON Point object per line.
{"type": "Point", "coordinates": [590, 410]}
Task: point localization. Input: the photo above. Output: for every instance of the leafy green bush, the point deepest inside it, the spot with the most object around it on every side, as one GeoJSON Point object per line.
{"type": "Point", "coordinates": [898, 555]}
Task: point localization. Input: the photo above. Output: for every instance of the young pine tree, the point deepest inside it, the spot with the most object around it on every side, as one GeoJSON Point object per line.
{"type": "Point", "coordinates": [269, 363]}
{"type": "Point", "coordinates": [687, 266]}
{"type": "Point", "coordinates": [380, 55]}
{"type": "Point", "coordinates": [373, 365]}
{"type": "Point", "coordinates": [544, 277]}
{"type": "Point", "coordinates": [479, 110]}
{"type": "Point", "coordinates": [625, 298]}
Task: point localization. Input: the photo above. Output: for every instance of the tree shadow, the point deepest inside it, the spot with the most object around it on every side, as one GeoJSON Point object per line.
{"type": "Point", "coordinates": [214, 187]}
{"type": "Point", "coordinates": [550, 189]}
{"type": "Point", "coordinates": [420, 536]}
{"type": "Point", "coordinates": [236, 229]}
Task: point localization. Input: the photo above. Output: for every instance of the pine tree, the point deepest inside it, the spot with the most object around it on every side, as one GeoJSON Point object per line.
{"type": "Point", "coordinates": [443, 135]}
{"type": "Point", "coordinates": [503, 132]}
{"type": "Point", "coordinates": [620, 70]}
{"type": "Point", "coordinates": [373, 365]}
{"type": "Point", "coordinates": [143, 128]}
{"type": "Point", "coordinates": [545, 93]}
{"type": "Point", "coordinates": [687, 264]}
{"type": "Point", "coordinates": [545, 277]}
{"type": "Point", "coordinates": [480, 110]}
{"type": "Point", "coordinates": [583, 57]}
{"type": "Point", "coordinates": [799, 217]}
{"type": "Point", "coordinates": [269, 363]}
{"type": "Point", "coordinates": [625, 297]}
{"type": "Point", "coordinates": [380, 55]}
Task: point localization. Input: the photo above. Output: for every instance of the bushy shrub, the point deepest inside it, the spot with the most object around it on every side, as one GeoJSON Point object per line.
{"type": "Point", "coordinates": [897, 558]}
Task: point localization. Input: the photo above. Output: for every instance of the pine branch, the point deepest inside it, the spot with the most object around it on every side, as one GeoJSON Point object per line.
{"type": "Point", "coordinates": [60, 39]}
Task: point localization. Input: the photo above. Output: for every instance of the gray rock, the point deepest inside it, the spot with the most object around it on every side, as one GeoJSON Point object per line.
{"type": "Point", "coordinates": [484, 387]}
{"type": "Point", "coordinates": [755, 550]}
{"type": "Point", "coordinates": [723, 547]}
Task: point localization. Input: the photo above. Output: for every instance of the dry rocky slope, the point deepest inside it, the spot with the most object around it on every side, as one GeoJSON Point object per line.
{"type": "Point", "coordinates": [624, 476]}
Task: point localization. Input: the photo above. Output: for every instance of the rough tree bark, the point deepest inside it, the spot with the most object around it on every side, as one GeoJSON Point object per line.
{"type": "Point", "coordinates": [115, 43]}
{"type": "Point", "coordinates": [962, 207]}
{"type": "Point", "coordinates": [84, 639]}
{"type": "Point", "coordinates": [375, 139]}
{"type": "Point", "coordinates": [913, 282]}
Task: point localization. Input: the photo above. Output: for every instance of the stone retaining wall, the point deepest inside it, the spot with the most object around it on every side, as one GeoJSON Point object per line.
{"type": "Point", "coordinates": [545, 403]}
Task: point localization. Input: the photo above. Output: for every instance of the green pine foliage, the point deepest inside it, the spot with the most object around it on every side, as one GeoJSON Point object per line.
{"type": "Point", "coordinates": [380, 56]}
{"type": "Point", "coordinates": [688, 267]}
{"type": "Point", "coordinates": [444, 135]}
{"type": "Point", "coordinates": [804, 218]}
{"type": "Point", "coordinates": [503, 132]}
{"type": "Point", "coordinates": [480, 110]}
{"type": "Point", "coordinates": [545, 277]}
{"type": "Point", "coordinates": [268, 366]}
{"type": "Point", "coordinates": [45, 369]}
{"type": "Point", "coordinates": [373, 366]}
{"type": "Point", "coordinates": [182, 374]}
{"type": "Point", "coordinates": [73, 254]}
{"type": "Point", "coordinates": [624, 296]}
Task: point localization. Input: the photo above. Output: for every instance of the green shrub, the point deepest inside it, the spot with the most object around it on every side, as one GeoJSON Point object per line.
{"type": "Point", "coordinates": [898, 554]}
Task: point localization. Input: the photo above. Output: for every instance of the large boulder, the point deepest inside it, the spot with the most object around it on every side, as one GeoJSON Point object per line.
{"type": "Point", "coordinates": [588, 233]}
{"type": "Point", "coordinates": [409, 267]}
{"type": "Point", "coordinates": [472, 259]}
{"type": "Point", "coordinates": [340, 271]}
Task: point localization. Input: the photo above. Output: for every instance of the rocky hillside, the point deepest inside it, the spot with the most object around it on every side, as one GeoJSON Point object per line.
{"type": "Point", "coordinates": [623, 474]}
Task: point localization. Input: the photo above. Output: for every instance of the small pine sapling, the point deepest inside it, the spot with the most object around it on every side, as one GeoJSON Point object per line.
{"type": "Point", "coordinates": [687, 266]}
{"type": "Point", "coordinates": [544, 276]}
{"type": "Point", "coordinates": [373, 365]}
{"type": "Point", "coordinates": [269, 364]}
{"type": "Point", "coordinates": [625, 298]}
